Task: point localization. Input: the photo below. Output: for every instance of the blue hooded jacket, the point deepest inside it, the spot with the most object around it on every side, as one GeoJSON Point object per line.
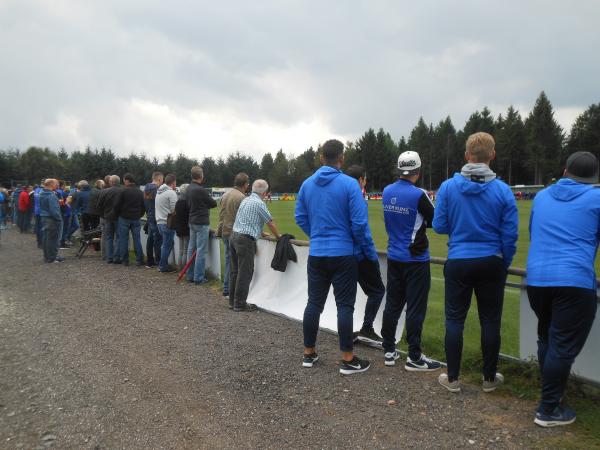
{"type": "Point", "coordinates": [332, 211]}
{"type": "Point", "coordinates": [481, 219]}
{"type": "Point", "coordinates": [36, 200]}
{"type": "Point", "coordinates": [81, 199]}
{"type": "Point", "coordinates": [49, 205]}
{"type": "Point", "coordinates": [564, 228]}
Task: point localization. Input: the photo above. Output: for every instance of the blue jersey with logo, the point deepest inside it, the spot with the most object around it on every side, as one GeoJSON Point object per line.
{"type": "Point", "coordinates": [407, 212]}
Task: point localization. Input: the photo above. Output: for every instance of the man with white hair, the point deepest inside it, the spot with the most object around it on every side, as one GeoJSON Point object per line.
{"type": "Point", "coordinates": [251, 217]}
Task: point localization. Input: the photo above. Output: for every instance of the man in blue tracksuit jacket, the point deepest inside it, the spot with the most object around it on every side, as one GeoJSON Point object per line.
{"type": "Point", "coordinates": [407, 211]}
{"type": "Point", "coordinates": [331, 210]}
{"type": "Point", "coordinates": [479, 214]}
{"type": "Point", "coordinates": [369, 274]}
{"type": "Point", "coordinates": [561, 282]}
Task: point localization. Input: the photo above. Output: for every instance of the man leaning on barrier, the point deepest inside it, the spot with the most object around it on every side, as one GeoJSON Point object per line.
{"type": "Point", "coordinates": [332, 211]}
{"type": "Point", "coordinates": [561, 280]}
{"type": "Point", "coordinates": [479, 214]}
{"type": "Point", "coordinates": [250, 220]}
{"type": "Point", "coordinates": [408, 212]}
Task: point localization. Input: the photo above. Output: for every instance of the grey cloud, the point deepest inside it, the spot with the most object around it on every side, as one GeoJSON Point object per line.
{"type": "Point", "coordinates": [351, 64]}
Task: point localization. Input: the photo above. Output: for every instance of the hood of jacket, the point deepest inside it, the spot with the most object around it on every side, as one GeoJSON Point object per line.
{"type": "Point", "coordinates": [163, 188]}
{"type": "Point", "coordinates": [473, 179]}
{"type": "Point", "coordinates": [566, 189]}
{"type": "Point", "coordinates": [326, 175]}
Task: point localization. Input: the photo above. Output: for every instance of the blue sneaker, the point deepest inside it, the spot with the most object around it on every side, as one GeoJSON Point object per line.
{"type": "Point", "coordinates": [424, 364]}
{"type": "Point", "coordinates": [560, 416]}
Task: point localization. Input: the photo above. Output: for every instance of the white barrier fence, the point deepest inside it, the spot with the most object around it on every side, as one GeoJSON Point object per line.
{"type": "Point", "coordinates": [285, 293]}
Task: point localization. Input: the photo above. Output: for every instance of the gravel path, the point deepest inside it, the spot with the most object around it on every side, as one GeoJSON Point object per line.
{"type": "Point", "coordinates": [97, 356]}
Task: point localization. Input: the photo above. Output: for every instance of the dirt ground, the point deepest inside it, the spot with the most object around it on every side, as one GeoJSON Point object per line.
{"type": "Point", "coordinates": [94, 356]}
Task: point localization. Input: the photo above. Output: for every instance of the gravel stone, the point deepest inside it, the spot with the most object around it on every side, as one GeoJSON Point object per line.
{"type": "Point", "coordinates": [97, 356]}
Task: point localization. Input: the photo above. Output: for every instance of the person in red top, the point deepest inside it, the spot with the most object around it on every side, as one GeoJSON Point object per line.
{"type": "Point", "coordinates": [24, 207]}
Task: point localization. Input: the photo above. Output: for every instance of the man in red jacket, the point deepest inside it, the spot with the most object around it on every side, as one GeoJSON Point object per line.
{"type": "Point", "coordinates": [24, 207]}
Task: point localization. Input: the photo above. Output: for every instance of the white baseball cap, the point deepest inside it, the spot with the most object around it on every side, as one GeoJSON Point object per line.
{"type": "Point", "coordinates": [408, 162]}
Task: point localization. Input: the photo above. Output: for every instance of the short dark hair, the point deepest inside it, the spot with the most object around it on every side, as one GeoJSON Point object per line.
{"type": "Point", "coordinates": [129, 177]}
{"type": "Point", "coordinates": [355, 171]}
{"type": "Point", "coordinates": [169, 179]}
{"type": "Point", "coordinates": [332, 151]}
{"type": "Point", "coordinates": [241, 179]}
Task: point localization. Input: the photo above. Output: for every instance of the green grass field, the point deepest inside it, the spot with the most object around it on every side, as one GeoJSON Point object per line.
{"type": "Point", "coordinates": [522, 382]}
{"type": "Point", "coordinates": [283, 214]}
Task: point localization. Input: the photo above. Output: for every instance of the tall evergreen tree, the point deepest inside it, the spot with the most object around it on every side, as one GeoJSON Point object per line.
{"type": "Point", "coordinates": [544, 140]}
{"type": "Point", "coordinates": [279, 175]}
{"type": "Point", "coordinates": [510, 147]}
{"type": "Point", "coordinates": [420, 141]}
{"type": "Point", "coordinates": [266, 165]}
{"type": "Point", "coordinates": [585, 134]}
{"type": "Point", "coordinates": [444, 144]}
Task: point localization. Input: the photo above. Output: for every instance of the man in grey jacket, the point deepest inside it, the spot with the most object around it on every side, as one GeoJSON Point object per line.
{"type": "Point", "coordinates": [166, 198]}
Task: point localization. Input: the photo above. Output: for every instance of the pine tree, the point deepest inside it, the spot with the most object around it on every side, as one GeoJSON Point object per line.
{"type": "Point", "coordinates": [544, 140]}
{"type": "Point", "coordinates": [444, 144]}
{"type": "Point", "coordinates": [266, 165]}
{"type": "Point", "coordinates": [510, 147]}
{"type": "Point", "coordinates": [420, 142]}
{"type": "Point", "coordinates": [585, 134]}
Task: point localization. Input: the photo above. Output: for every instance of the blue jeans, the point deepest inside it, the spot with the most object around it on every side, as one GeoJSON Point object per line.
{"type": "Point", "coordinates": [199, 244]}
{"type": "Point", "coordinates": [66, 226]}
{"type": "Point", "coordinates": [342, 273]}
{"type": "Point", "coordinates": [226, 244]}
{"type": "Point", "coordinates": [168, 237]}
{"type": "Point", "coordinates": [486, 276]}
{"type": "Point", "coordinates": [73, 226]}
{"type": "Point", "coordinates": [153, 243]}
{"type": "Point", "coordinates": [565, 317]}
{"type": "Point", "coordinates": [408, 284]}
{"type": "Point", "coordinates": [125, 226]}
{"type": "Point", "coordinates": [110, 235]}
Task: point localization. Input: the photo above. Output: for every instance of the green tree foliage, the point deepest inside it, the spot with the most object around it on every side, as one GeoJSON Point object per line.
{"type": "Point", "coordinates": [544, 141]}
{"type": "Point", "coordinates": [510, 146]}
{"type": "Point", "coordinates": [585, 134]}
{"type": "Point", "coordinates": [527, 152]}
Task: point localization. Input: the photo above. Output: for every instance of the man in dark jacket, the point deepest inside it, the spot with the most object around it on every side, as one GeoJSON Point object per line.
{"type": "Point", "coordinates": [200, 202]}
{"type": "Point", "coordinates": [154, 241]}
{"type": "Point", "coordinates": [91, 215]}
{"type": "Point", "coordinates": [129, 207]}
{"type": "Point", "coordinates": [51, 220]}
{"type": "Point", "coordinates": [106, 208]}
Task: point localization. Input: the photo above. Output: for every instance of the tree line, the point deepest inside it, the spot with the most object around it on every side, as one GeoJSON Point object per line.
{"type": "Point", "coordinates": [530, 150]}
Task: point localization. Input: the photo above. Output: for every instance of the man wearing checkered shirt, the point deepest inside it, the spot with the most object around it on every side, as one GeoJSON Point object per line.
{"type": "Point", "coordinates": [250, 219]}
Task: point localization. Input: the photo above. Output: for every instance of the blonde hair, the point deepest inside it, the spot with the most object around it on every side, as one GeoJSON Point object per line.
{"type": "Point", "coordinates": [480, 147]}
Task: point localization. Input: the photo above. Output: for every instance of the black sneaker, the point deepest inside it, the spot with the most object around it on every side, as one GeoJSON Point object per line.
{"type": "Point", "coordinates": [368, 336]}
{"type": "Point", "coordinates": [390, 358]}
{"type": "Point", "coordinates": [424, 364]}
{"type": "Point", "coordinates": [355, 366]}
{"type": "Point", "coordinates": [309, 360]}
{"type": "Point", "coordinates": [168, 269]}
{"type": "Point", "coordinates": [247, 307]}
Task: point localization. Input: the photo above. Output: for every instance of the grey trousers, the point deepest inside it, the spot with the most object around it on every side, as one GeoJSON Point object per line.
{"type": "Point", "coordinates": [50, 237]}
{"type": "Point", "coordinates": [242, 251]}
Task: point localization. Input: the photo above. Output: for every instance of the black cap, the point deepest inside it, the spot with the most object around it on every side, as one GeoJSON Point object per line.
{"type": "Point", "coordinates": [582, 167]}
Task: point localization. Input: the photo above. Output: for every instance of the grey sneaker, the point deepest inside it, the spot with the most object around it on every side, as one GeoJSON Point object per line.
{"type": "Point", "coordinates": [489, 386]}
{"type": "Point", "coordinates": [452, 386]}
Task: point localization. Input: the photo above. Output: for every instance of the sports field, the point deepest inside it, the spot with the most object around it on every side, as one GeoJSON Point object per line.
{"type": "Point", "coordinates": [433, 335]}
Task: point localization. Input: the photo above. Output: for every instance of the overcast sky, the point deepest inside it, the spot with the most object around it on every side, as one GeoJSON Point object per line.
{"type": "Point", "coordinates": [209, 78]}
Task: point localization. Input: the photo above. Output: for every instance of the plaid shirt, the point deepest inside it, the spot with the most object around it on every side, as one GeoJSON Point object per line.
{"type": "Point", "coordinates": [252, 216]}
